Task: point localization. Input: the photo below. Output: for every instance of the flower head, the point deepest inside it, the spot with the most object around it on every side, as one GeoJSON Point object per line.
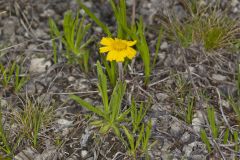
{"type": "Point", "coordinates": [117, 49]}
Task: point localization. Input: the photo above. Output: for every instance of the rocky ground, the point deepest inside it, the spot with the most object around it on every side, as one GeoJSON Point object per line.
{"type": "Point", "coordinates": [25, 38]}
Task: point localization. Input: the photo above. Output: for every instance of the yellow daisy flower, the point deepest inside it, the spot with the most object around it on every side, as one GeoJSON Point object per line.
{"type": "Point", "coordinates": [117, 49]}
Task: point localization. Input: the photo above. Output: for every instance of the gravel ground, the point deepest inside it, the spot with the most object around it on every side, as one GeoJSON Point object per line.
{"type": "Point", "coordinates": [24, 37]}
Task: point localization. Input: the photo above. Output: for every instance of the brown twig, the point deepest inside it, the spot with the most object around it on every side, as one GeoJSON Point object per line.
{"type": "Point", "coordinates": [221, 109]}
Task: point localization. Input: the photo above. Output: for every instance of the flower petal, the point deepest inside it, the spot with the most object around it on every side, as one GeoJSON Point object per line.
{"type": "Point", "coordinates": [115, 56]}
{"type": "Point", "coordinates": [131, 53]}
{"type": "Point", "coordinates": [104, 49]}
{"type": "Point", "coordinates": [131, 43]}
{"type": "Point", "coordinates": [106, 41]}
{"type": "Point", "coordinates": [111, 55]}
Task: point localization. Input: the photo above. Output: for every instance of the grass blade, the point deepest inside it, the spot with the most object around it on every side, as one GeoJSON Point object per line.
{"type": "Point", "coordinates": [205, 139]}
{"type": "Point", "coordinates": [88, 106]}
{"type": "Point", "coordinates": [160, 35]}
{"type": "Point", "coordinates": [95, 19]}
{"type": "Point", "coordinates": [102, 87]}
{"type": "Point", "coordinates": [211, 119]}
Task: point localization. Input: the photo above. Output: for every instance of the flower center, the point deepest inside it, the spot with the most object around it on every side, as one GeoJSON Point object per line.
{"type": "Point", "coordinates": [118, 45]}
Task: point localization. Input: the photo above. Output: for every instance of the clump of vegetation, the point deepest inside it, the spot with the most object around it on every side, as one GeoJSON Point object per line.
{"type": "Point", "coordinates": [28, 123]}
{"type": "Point", "coordinates": [32, 119]}
{"type": "Point", "coordinates": [228, 136]}
{"type": "Point", "coordinates": [113, 118]}
{"type": "Point", "coordinates": [111, 109]}
{"type": "Point", "coordinates": [11, 78]}
{"type": "Point", "coordinates": [73, 38]}
{"type": "Point", "coordinates": [129, 121]}
{"type": "Point", "coordinates": [207, 26]}
{"type": "Point", "coordinates": [134, 31]}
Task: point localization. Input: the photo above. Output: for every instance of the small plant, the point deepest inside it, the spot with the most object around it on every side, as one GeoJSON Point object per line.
{"type": "Point", "coordinates": [118, 50]}
{"type": "Point", "coordinates": [212, 121]}
{"type": "Point", "coordinates": [236, 140]}
{"type": "Point", "coordinates": [112, 117]}
{"type": "Point", "coordinates": [189, 113]}
{"type": "Point", "coordinates": [5, 146]}
{"type": "Point", "coordinates": [11, 77]}
{"type": "Point", "coordinates": [137, 115]}
{"type": "Point", "coordinates": [74, 32]}
{"type": "Point", "coordinates": [124, 31]}
{"type": "Point", "coordinates": [138, 143]}
{"type": "Point", "coordinates": [205, 26]}
{"type": "Point", "coordinates": [236, 107]}
{"type": "Point", "coordinates": [213, 128]}
{"type": "Point", "coordinates": [226, 135]}
{"type": "Point", "coordinates": [32, 118]}
{"type": "Point", "coordinates": [205, 139]}
{"type": "Point", "coordinates": [110, 113]}
{"type": "Point", "coordinates": [7, 74]}
{"type": "Point", "coordinates": [19, 82]}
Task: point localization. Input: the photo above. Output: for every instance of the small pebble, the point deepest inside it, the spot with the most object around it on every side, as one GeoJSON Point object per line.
{"type": "Point", "coordinates": [39, 65]}
{"type": "Point", "coordinates": [71, 78]}
{"type": "Point", "coordinates": [187, 149]}
{"type": "Point", "coordinates": [84, 153]}
{"type": "Point", "coordinates": [198, 121]}
{"type": "Point", "coordinates": [176, 129]}
{"type": "Point", "coordinates": [185, 137]}
{"type": "Point", "coordinates": [64, 122]}
{"type": "Point", "coordinates": [164, 45]}
{"type": "Point", "coordinates": [161, 96]}
{"type": "Point", "coordinates": [219, 77]}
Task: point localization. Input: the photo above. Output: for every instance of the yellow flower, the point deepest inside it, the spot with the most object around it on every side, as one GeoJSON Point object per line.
{"type": "Point", "coordinates": [117, 49]}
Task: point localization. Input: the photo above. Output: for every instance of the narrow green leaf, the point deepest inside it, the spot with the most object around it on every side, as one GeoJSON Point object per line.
{"type": "Point", "coordinates": [160, 35]}
{"type": "Point", "coordinates": [86, 60]}
{"type": "Point", "coordinates": [147, 136]}
{"type": "Point", "coordinates": [129, 137]}
{"type": "Point", "coordinates": [80, 33]}
{"type": "Point", "coordinates": [190, 110]}
{"type": "Point", "coordinates": [226, 135]}
{"type": "Point", "coordinates": [54, 33]}
{"type": "Point", "coordinates": [142, 46]}
{"type": "Point", "coordinates": [235, 107]}
{"type": "Point", "coordinates": [140, 137]}
{"type": "Point", "coordinates": [205, 139]}
{"type": "Point", "coordinates": [88, 106]}
{"type": "Point", "coordinates": [105, 128]}
{"type": "Point", "coordinates": [116, 130]}
{"type": "Point", "coordinates": [6, 146]}
{"type": "Point", "coordinates": [67, 26]}
{"type": "Point", "coordinates": [90, 40]}
{"type": "Point", "coordinates": [114, 8]}
{"type": "Point", "coordinates": [10, 73]}
{"type": "Point", "coordinates": [53, 27]}
{"type": "Point", "coordinates": [95, 19]}
{"type": "Point", "coordinates": [123, 13]}
{"type": "Point", "coordinates": [16, 76]}
{"type": "Point", "coordinates": [116, 100]}
{"type": "Point", "coordinates": [211, 119]}
{"type": "Point", "coordinates": [102, 87]}
{"type": "Point", "coordinates": [97, 123]}
{"type": "Point", "coordinates": [122, 116]}
{"type": "Point", "coordinates": [235, 137]}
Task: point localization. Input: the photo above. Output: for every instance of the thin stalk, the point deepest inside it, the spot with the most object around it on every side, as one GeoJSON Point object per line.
{"type": "Point", "coordinates": [120, 71]}
{"type": "Point", "coordinates": [133, 12]}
